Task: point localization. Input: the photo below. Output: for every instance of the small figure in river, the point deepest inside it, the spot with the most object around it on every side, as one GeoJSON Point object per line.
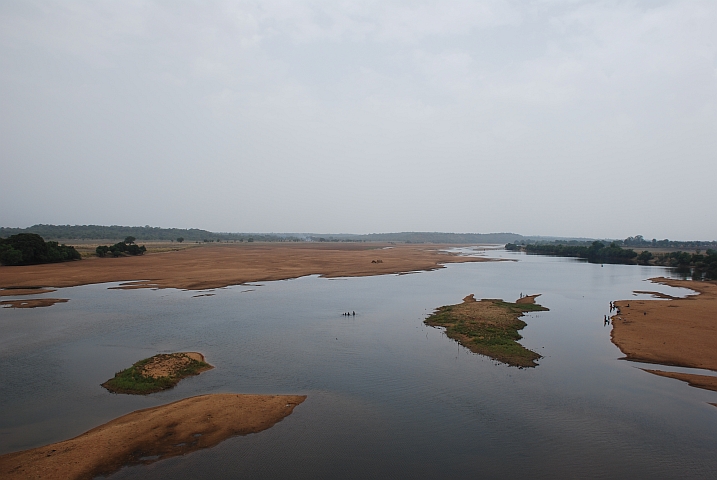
{"type": "Point", "coordinates": [354, 313]}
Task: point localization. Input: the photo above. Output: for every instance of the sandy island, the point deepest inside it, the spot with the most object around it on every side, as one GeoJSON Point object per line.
{"type": "Point", "coordinates": [152, 434]}
{"type": "Point", "coordinates": [677, 331]}
{"type": "Point", "coordinates": [222, 265]}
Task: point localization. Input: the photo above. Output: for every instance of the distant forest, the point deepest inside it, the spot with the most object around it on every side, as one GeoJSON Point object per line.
{"type": "Point", "coordinates": [699, 266]}
{"type": "Point", "coordinates": [636, 242]}
{"type": "Point", "coordinates": [147, 233]}
{"type": "Point", "coordinates": [116, 232]}
{"type": "Point", "coordinates": [422, 237]}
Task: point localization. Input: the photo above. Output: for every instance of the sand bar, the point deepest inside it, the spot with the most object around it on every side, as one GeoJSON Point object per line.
{"type": "Point", "coordinates": [151, 434]}
{"type": "Point", "coordinates": [700, 381]}
{"type": "Point", "coordinates": [12, 292]}
{"type": "Point", "coordinates": [679, 332]}
{"type": "Point", "coordinates": [222, 265]}
{"type": "Point", "coordinates": [32, 302]}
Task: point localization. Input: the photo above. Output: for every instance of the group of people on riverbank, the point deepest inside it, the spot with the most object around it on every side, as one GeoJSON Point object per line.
{"type": "Point", "coordinates": [606, 318]}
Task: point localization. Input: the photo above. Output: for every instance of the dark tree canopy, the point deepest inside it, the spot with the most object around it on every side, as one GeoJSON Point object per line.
{"type": "Point", "coordinates": [30, 248]}
{"type": "Point", "coordinates": [121, 248]}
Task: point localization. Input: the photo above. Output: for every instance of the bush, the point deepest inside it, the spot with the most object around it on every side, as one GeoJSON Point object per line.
{"type": "Point", "coordinates": [121, 247]}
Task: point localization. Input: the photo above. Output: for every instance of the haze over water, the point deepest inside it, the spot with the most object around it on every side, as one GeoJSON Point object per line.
{"type": "Point", "coordinates": [387, 396]}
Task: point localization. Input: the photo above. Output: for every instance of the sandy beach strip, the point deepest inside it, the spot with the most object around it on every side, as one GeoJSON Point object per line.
{"type": "Point", "coordinates": [679, 332]}
{"type": "Point", "coordinates": [699, 381]}
{"type": "Point", "coordinates": [13, 292]}
{"type": "Point", "coordinates": [218, 266]}
{"type": "Point", "coordinates": [149, 435]}
{"type": "Point", "coordinates": [32, 302]}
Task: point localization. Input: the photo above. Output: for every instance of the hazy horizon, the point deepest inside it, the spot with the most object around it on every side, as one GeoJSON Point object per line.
{"type": "Point", "coordinates": [593, 119]}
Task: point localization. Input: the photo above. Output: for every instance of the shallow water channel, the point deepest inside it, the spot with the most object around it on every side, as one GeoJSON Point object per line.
{"type": "Point", "coordinates": [387, 396]}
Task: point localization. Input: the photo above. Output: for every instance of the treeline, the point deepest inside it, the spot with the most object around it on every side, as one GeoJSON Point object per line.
{"type": "Point", "coordinates": [596, 252]}
{"type": "Point", "coordinates": [698, 265]}
{"type": "Point", "coordinates": [636, 242]}
{"type": "Point", "coordinates": [146, 233]}
{"type": "Point", "coordinates": [639, 241]}
{"type": "Point", "coordinates": [30, 249]}
{"type": "Point", "coordinates": [421, 237]}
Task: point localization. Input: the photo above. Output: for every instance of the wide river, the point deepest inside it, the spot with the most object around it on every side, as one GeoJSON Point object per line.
{"type": "Point", "coordinates": [387, 396]}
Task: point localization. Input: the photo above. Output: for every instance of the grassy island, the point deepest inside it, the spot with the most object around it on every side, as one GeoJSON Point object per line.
{"type": "Point", "coordinates": [489, 327]}
{"type": "Point", "coordinates": [157, 373]}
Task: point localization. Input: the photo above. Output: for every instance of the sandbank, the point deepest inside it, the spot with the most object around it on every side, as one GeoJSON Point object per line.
{"type": "Point", "coordinates": [12, 292]}
{"type": "Point", "coordinates": [32, 302]}
{"type": "Point", "coordinates": [222, 265]}
{"type": "Point", "coordinates": [679, 332]}
{"type": "Point", "coordinates": [152, 434]}
{"type": "Point", "coordinates": [700, 381]}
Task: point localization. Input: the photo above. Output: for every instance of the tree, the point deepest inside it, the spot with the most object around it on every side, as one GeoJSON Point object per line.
{"type": "Point", "coordinates": [10, 256]}
{"type": "Point", "coordinates": [30, 248]}
{"type": "Point", "coordinates": [129, 240]}
{"type": "Point", "coordinates": [180, 239]}
{"type": "Point", "coordinates": [644, 257]}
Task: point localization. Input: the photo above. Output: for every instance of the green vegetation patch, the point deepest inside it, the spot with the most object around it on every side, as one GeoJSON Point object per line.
{"type": "Point", "coordinates": [155, 374]}
{"type": "Point", "coordinates": [488, 327]}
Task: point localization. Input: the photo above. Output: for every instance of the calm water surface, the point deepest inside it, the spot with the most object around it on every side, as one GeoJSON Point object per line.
{"type": "Point", "coordinates": [387, 396]}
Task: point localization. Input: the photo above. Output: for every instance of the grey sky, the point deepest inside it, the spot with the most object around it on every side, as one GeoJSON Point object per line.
{"type": "Point", "coordinates": [545, 117]}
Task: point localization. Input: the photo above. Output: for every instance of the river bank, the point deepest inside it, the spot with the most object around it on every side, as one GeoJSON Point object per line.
{"type": "Point", "coordinates": [675, 331]}
{"type": "Point", "coordinates": [222, 265]}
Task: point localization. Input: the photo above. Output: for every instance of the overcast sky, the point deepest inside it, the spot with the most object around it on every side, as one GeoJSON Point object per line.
{"type": "Point", "coordinates": [543, 117]}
